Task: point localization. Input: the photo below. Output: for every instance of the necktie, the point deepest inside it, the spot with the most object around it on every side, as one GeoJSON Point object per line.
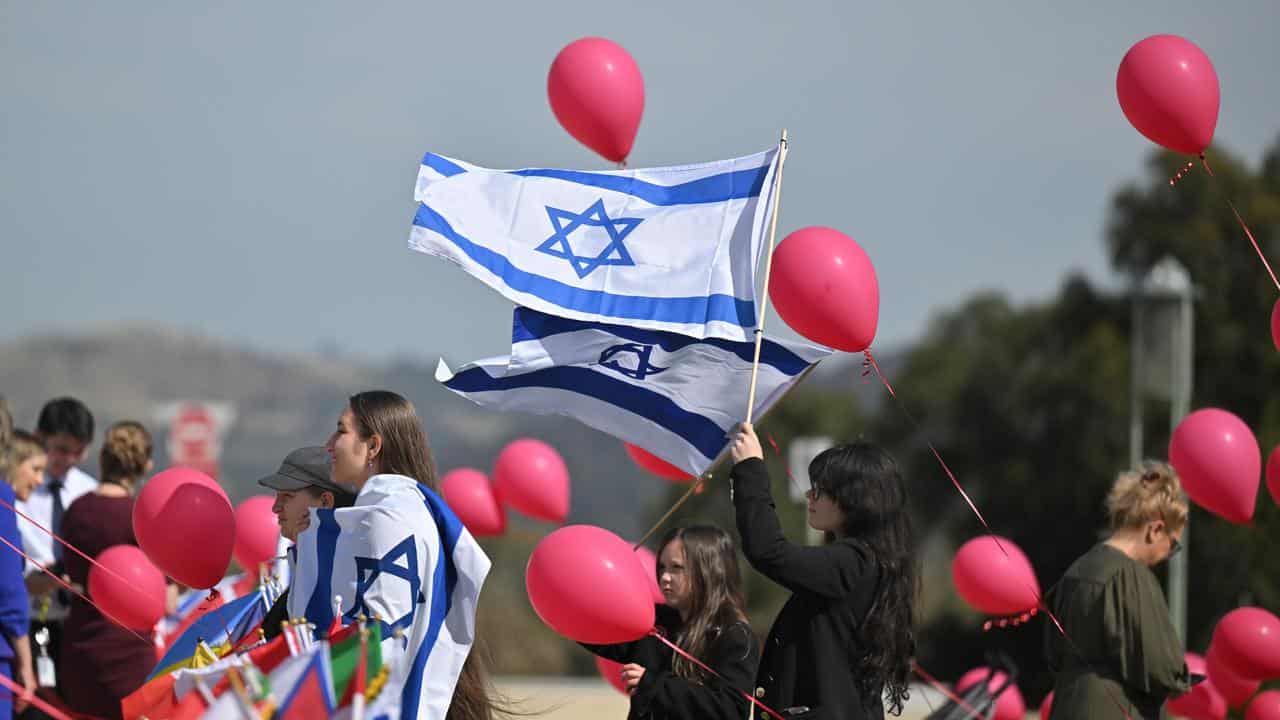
{"type": "Point", "coordinates": [55, 523]}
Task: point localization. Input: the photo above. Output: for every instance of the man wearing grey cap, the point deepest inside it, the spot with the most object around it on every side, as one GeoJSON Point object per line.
{"type": "Point", "coordinates": [301, 483]}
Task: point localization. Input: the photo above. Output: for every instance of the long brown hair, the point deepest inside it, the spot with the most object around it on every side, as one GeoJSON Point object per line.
{"type": "Point", "coordinates": [715, 593]}
{"type": "Point", "coordinates": [405, 451]}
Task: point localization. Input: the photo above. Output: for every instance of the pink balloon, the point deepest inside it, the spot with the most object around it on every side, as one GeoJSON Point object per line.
{"type": "Point", "coordinates": [1266, 706]}
{"type": "Point", "coordinates": [1236, 690]}
{"type": "Point", "coordinates": [584, 582]}
{"type": "Point", "coordinates": [127, 587]}
{"type": "Point", "coordinates": [1169, 91]}
{"type": "Point", "coordinates": [824, 286]}
{"type": "Point", "coordinates": [649, 563]}
{"type": "Point", "coordinates": [655, 464]}
{"type": "Point", "coordinates": [185, 525]}
{"type": "Point", "coordinates": [1046, 706]}
{"type": "Point", "coordinates": [468, 493]}
{"type": "Point", "coordinates": [1275, 325]}
{"type": "Point", "coordinates": [531, 477]}
{"type": "Point", "coordinates": [257, 533]}
{"type": "Point", "coordinates": [1247, 642]}
{"type": "Point", "coordinates": [612, 673]}
{"type": "Point", "coordinates": [995, 581]}
{"type": "Point", "coordinates": [1273, 475]}
{"type": "Point", "coordinates": [597, 94]}
{"type": "Point", "coordinates": [1203, 701]}
{"type": "Point", "coordinates": [1009, 706]}
{"type": "Point", "coordinates": [1218, 460]}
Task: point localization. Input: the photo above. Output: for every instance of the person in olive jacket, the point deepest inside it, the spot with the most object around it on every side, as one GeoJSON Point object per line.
{"type": "Point", "coordinates": [844, 641]}
{"type": "Point", "coordinates": [703, 615]}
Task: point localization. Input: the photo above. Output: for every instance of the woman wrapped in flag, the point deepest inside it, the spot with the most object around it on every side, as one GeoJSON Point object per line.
{"type": "Point", "coordinates": [699, 578]}
{"type": "Point", "coordinates": [398, 557]}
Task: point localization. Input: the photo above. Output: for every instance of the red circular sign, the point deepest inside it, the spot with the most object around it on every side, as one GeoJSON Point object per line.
{"type": "Point", "coordinates": [193, 439]}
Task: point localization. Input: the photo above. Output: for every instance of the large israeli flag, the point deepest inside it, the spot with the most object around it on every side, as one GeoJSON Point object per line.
{"type": "Point", "coordinates": [673, 395]}
{"type": "Point", "coordinates": [673, 249]}
{"type": "Point", "coordinates": [399, 554]}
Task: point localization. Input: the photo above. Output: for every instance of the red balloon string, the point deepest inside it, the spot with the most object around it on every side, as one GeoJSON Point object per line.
{"type": "Point", "coordinates": [54, 535]}
{"type": "Point", "coordinates": [71, 589]}
{"type": "Point", "coordinates": [680, 651]}
{"type": "Point", "coordinates": [21, 693]}
{"type": "Point", "coordinates": [1205, 164]}
{"type": "Point", "coordinates": [945, 691]}
{"type": "Point", "coordinates": [1249, 234]}
{"type": "Point", "coordinates": [776, 451]}
{"type": "Point", "coordinates": [870, 362]}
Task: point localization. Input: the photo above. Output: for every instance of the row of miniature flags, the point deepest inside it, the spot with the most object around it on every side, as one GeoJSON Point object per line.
{"type": "Point", "coordinates": [293, 675]}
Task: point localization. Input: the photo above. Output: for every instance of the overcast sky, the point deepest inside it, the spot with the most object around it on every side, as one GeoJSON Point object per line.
{"type": "Point", "coordinates": [247, 169]}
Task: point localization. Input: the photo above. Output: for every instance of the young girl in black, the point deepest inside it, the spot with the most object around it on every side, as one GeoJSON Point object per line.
{"type": "Point", "coordinates": [844, 640]}
{"type": "Point", "coordinates": [703, 615]}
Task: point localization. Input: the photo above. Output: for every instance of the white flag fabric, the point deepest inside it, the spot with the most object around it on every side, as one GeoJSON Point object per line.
{"type": "Point", "coordinates": [672, 395]}
{"type": "Point", "coordinates": [672, 249]}
{"type": "Point", "coordinates": [402, 555]}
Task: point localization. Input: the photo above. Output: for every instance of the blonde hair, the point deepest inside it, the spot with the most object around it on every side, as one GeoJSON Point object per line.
{"type": "Point", "coordinates": [126, 450]}
{"type": "Point", "coordinates": [1150, 492]}
{"type": "Point", "coordinates": [20, 447]}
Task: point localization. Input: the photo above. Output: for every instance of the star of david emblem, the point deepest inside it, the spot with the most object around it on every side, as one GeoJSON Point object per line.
{"type": "Point", "coordinates": [368, 570]}
{"type": "Point", "coordinates": [643, 368]}
{"type": "Point", "coordinates": [586, 259]}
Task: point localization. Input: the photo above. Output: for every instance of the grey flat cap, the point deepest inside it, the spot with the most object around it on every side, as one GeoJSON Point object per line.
{"type": "Point", "coordinates": [302, 468]}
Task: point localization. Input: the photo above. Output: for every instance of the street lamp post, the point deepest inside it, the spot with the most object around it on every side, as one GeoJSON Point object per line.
{"type": "Point", "coordinates": [1163, 321]}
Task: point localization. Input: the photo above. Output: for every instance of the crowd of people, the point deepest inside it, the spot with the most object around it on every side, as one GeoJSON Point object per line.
{"type": "Point", "coordinates": [842, 647]}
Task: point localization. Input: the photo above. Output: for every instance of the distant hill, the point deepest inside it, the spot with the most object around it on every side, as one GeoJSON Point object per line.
{"type": "Point", "coordinates": [285, 401]}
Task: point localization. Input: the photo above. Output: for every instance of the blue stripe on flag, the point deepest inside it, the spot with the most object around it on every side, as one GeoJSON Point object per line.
{"type": "Point", "coordinates": [442, 165]}
{"type": "Point", "coordinates": [711, 189]}
{"type": "Point", "coordinates": [533, 325]}
{"type": "Point", "coordinates": [444, 578]}
{"type": "Point", "coordinates": [703, 434]}
{"type": "Point", "coordinates": [733, 185]}
{"type": "Point", "coordinates": [320, 605]}
{"type": "Point", "coordinates": [688, 310]}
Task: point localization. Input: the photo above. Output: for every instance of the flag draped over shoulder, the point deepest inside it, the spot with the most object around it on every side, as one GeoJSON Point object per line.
{"type": "Point", "coordinates": [672, 249]}
{"type": "Point", "coordinates": [673, 395]}
{"type": "Point", "coordinates": [402, 556]}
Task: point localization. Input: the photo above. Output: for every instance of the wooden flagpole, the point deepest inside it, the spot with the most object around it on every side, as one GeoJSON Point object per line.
{"type": "Point", "coordinates": [768, 267]}
{"type": "Point", "coordinates": [755, 365]}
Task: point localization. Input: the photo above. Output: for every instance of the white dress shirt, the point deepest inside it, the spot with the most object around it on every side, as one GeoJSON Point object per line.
{"type": "Point", "coordinates": [39, 507]}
